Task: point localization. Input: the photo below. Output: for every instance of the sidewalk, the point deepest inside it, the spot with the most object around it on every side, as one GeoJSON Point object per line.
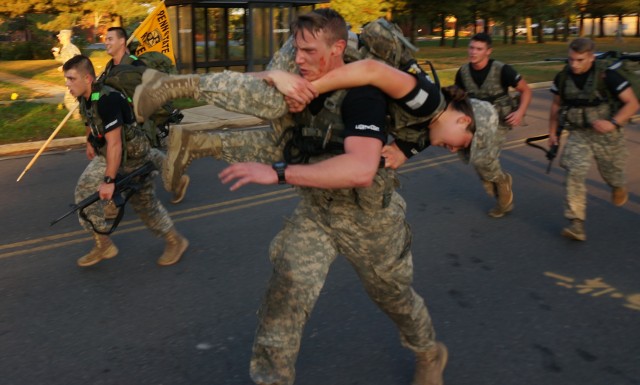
{"type": "Point", "coordinates": [207, 117]}
{"type": "Point", "coordinates": [53, 93]}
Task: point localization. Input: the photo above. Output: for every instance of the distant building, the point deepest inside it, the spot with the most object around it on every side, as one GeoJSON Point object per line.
{"type": "Point", "coordinates": [241, 35]}
{"type": "Point", "coordinates": [628, 24]}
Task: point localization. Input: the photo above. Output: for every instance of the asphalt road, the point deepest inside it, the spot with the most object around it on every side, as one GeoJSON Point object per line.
{"type": "Point", "coordinates": [514, 301]}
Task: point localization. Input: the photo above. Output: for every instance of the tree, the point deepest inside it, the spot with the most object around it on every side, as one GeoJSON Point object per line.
{"type": "Point", "coordinates": [358, 12]}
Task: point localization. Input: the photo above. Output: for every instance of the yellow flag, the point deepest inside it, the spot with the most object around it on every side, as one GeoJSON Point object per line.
{"type": "Point", "coordinates": [154, 34]}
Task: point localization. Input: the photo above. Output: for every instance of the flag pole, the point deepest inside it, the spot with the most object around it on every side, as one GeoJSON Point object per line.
{"type": "Point", "coordinates": [53, 134]}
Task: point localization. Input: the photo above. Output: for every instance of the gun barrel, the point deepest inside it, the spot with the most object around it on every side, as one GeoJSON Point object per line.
{"type": "Point", "coordinates": [53, 222]}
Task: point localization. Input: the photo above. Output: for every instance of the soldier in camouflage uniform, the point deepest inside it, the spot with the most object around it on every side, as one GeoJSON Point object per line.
{"type": "Point", "coordinates": [487, 79]}
{"type": "Point", "coordinates": [348, 203]}
{"type": "Point", "coordinates": [597, 102]}
{"type": "Point", "coordinates": [115, 144]}
{"type": "Point", "coordinates": [116, 46]}
{"type": "Point", "coordinates": [62, 54]}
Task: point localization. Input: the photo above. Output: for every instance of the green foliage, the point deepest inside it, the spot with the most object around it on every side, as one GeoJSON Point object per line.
{"type": "Point", "coordinates": [358, 12]}
{"type": "Point", "coordinates": [23, 50]}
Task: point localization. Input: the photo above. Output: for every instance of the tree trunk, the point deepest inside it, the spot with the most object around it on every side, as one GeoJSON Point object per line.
{"type": "Point", "coordinates": [540, 31]}
{"type": "Point", "coordinates": [116, 21]}
{"type": "Point", "coordinates": [514, 22]}
{"type": "Point", "coordinates": [619, 30]}
{"type": "Point", "coordinates": [527, 22]}
{"type": "Point", "coordinates": [96, 23]}
{"type": "Point", "coordinates": [412, 27]}
{"type": "Point", "coordinates": [456, 33]}
{"type": "Point", "coordinates": [443, 26]}
{"type": "Point", "coordinates": [601, 22]}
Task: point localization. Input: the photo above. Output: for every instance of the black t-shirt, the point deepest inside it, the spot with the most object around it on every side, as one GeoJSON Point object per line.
{"type": "Point", "coordinates": [114, 111]}
{"type": "Point", "coordinates": [423, 100]}
{"type": "Point", "coordinates": [613, 80]}
{"type": "Point", "coordinates": [508, 76]}
{"type": "Point", "coordinates": [364, 111]}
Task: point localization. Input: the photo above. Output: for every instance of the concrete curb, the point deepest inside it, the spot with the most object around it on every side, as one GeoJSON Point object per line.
{"type": "Point", "coordinates": [33, 147]}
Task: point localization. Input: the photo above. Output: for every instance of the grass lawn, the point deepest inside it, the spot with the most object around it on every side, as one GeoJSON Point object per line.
{"type": "Point", "coordinates": [25, 122]}
{"type": "Point", "coordinates": [30, 121]}
{"type": "Point", "coordinates": [6, 89]}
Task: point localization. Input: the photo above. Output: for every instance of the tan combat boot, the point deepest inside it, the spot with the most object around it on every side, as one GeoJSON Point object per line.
{"type": "Point", "coordinates": [505, 197]}
{"type": "Point", "coordinates": [575, 231]}
{"type": "Point", "coordinates": [489, 187]}
{"type": "Point", "coordinates": [158, 88]}
{"type": "Point", "coordinates": [175, 246]}
{"type": "Point", "coordinates": [181, 189]}
{"type": "Point", "coordinates": [104, 249]}
{"type": "Point", "coordinates": [183, 146]}
{"type": "Point", "coordinates": [430, 365]}
{"type": "Point", "coordinates": [619, 196]}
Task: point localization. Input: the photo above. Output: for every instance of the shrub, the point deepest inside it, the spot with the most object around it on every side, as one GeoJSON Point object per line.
{"type": "Point", "coordinates": [25, 50]}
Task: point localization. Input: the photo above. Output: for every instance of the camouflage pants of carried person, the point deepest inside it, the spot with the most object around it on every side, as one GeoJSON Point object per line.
{"type": "Point", "coordinates": [375, 240]}
{"type": "Point", "coordinates": [144, 202]}
{"type": "Point", "coordinates": [484, 156]}
{"type": "Point", "coordinates": [610, 153]}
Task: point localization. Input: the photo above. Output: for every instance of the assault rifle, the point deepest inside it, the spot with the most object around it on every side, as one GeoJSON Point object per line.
{"type": "Point", "coordinates": [553, 149]}
{"type": "Point", "coordinates": [125, 187]}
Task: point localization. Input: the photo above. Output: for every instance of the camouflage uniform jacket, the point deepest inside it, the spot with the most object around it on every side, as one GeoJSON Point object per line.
{"type": "Point", "coordinates": [491, 89]}
{"type": "Point", "coordinates": [93, 120]}
{"type": "Point", "coordinates": [587, 104]}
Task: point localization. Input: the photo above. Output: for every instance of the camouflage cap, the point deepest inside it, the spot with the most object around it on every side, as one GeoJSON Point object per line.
{"type": "Point", "coordinates": [485, 118]}
{"type": "Point", "coordinates": [64, 32]}
{"type": "Point", "coordinates": [486, 121]}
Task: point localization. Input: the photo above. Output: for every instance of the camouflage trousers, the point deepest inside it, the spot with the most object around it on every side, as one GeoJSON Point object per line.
{"type": "Point", "coordinates": [239, 92]}
{"type": "Point", "coordinates": [485, 158]}
{"type": "Point", "coordinates": [144, 202]}
{"type": "Point", "coordinates": [375, 241]}
{"type": "Point", "coordinates": [610, 154]}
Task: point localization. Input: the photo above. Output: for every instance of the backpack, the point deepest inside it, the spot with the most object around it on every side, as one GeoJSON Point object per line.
{"type": "Point", "coordinates": [383, 40]}
{"type": "Point", "coordinates": [628, 65]}
{"type": "Point", "coordinates": [158, 61]}
{"type": "Point", "coordinates": [125, 78]}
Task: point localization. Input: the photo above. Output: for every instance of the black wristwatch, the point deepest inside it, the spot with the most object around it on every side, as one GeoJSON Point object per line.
{"type": "Point", "coordinates": [280, 167]}
{"type": "Point", "coordinates": [615, 122]}
{"type": "Point", "coordinates": [108, 179]}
